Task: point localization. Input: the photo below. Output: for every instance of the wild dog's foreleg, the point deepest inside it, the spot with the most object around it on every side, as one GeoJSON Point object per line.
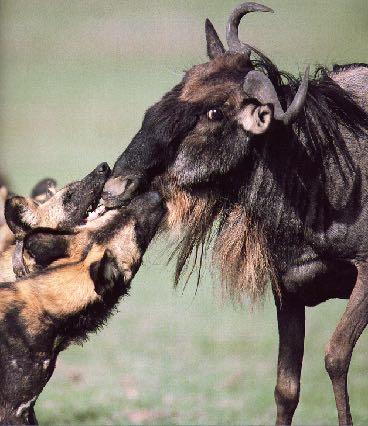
{"type": "Point", "coordinates": [340, 347]}
{"type": "Point", "coordinates": [291, 324]}
{"type": "Point", "coordinates": [19, 267]}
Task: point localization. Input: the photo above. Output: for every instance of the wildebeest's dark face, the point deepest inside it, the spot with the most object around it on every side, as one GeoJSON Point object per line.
{"type": "Point", "coordinates": [199, 131]}
{"type": "Point", "coordinates": [203, 127]}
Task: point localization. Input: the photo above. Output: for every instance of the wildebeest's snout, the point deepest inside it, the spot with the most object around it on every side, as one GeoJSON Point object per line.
{"type": "Point", "coordinates": [119, 190]}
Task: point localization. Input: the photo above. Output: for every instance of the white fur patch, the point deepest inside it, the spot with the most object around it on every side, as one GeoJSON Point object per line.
{"type": "Point", "coordinates": [23, 407]}
{"type": "Point", "coordinates": [30, 217]}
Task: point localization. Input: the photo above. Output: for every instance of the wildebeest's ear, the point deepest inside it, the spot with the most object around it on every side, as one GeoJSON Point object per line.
{"type": "Point", "coordinates": [20, 214]}
{"type": "Point", "coordinates": [214, 44]}
{"type": "Point", "coordinates": [256, 118]}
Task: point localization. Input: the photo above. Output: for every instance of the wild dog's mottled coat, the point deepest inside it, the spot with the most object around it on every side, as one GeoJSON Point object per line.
{"type": "Point", "coordinates": [42, 314]}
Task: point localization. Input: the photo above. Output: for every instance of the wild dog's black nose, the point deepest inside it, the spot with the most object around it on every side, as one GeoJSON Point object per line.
{"type": "Point", "coordinates": [103, 168]}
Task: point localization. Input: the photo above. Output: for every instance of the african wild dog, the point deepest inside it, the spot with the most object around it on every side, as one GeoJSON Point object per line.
{"type": "Point", "coordinates": [60, 211]}
{"type": "Point", "coordinates": [280, 164]}
{"type": "Point", "coordinates": [42, 314]}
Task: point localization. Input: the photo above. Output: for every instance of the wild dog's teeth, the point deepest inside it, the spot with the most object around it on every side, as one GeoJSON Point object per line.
{"type": "Point", "coordinates": [101, 209]}
{"type": "Point", "coordinates": [96, 213]}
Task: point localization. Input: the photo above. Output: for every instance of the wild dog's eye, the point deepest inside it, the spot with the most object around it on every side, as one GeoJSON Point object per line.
{"type": "Point", "coordinates": [215, 114]}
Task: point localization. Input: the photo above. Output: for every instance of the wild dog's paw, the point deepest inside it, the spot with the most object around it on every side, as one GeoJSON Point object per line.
{"type": "Point", "coordinates": [106, 275]}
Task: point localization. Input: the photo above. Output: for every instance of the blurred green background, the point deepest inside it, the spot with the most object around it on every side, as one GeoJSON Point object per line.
{"type": "Point", "coordinates": [76, 78]}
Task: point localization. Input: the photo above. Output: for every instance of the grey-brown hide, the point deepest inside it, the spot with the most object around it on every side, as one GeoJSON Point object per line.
{"type": "Point", "coordinates": [303, 188]}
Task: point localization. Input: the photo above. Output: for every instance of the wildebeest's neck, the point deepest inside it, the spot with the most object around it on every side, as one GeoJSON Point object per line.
{"type": "Point", "coordinates": [299, 181]}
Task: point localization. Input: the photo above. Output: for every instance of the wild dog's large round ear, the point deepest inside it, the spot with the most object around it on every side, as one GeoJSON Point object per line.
{"type": "Point", "coordinates": [44, 190]}
{"type": "Point", "coordinates": [214, 45]}
{"type": "Point", "coordinates": [20, 215]}
{"type": "Point", "coordinates": [45, 246]}
{"type": "Point", "coordinates": [106, 274]}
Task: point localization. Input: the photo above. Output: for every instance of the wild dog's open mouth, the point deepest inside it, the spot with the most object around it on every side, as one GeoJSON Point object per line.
{"type": "Point", "coordinates": [95, 210]}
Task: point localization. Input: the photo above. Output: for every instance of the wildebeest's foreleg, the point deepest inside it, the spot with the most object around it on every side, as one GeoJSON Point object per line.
{"type": "Point", "coordinates": [340, 347]}
{"type": "Point", "coordinates": [32, 419]}
{"type": "Point", "coordinates": [291, 323]}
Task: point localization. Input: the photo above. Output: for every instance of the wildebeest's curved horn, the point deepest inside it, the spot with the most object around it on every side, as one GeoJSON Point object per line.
{"type": "Point", "coordinates": [258, 86]}
{"type": "Point", "coordinates": [232, 37]}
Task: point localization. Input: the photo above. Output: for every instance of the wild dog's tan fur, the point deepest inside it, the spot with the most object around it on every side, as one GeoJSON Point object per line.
{"type": "Point", "coordinates": [6, 237]}
{"type": "Point", "coordinates": [66, 287]}
{"type": "Point", "coordinates": [47, 215]}
{"type": "Point", "coordinates": [59, 292]}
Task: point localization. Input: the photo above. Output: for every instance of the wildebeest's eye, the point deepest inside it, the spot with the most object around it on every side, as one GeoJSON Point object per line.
{"type": "Point", "coordinates": [215, 114]}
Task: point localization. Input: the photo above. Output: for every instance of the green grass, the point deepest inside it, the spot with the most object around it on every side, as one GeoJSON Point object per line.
{"type": "Point", "coordinates": [76, 78]}
{"type": "Point", "coordinates": [168, 358]}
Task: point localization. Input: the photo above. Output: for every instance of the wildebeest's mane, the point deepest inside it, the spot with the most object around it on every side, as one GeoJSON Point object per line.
{"type": "Point", "coordinates": [328, 108]}
{"type": "Point", "coordinates": [244, 219]}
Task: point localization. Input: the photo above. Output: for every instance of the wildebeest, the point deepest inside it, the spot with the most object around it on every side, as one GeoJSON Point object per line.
{"type": "Point", "coordinates": [89, 268]}
{"type": "Point", "coordinates": [275, 169]}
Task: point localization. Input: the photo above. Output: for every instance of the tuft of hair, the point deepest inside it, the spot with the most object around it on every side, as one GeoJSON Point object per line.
{"type": "Point", "coordinates": [241, 254]}
{"type": "Point", "coordinates": [190, 218]}
{"type": "Point", "coordinates": [239, 247]}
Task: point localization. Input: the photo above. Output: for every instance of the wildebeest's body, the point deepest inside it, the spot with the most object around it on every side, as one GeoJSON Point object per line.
{"type": "Point", "coordinates": [291, 200]}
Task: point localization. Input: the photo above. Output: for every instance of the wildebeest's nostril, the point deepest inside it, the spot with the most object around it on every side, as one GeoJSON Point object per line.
{"type": "Point", "coordinates": [120, 189]}
{"type": "Point", "coordinates": [114, 187]}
